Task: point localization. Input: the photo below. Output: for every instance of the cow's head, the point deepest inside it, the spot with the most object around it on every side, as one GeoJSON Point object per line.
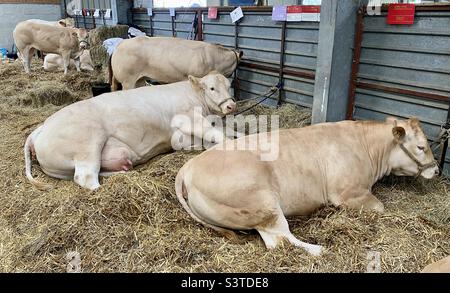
{"type": "Point", "coordinates": [215, 90]}
{"type": "Point", "coordinates": [82, 36]}
{"type": "Point", "coordinates": [412, 155]}
{"type": "Point", "coordinates": [66, 22]}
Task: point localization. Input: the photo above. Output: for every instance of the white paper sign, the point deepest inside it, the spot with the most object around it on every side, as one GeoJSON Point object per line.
{"type": "Point", "coordinates": [236, 14]}
{"type": "Point", "coordinates": [108, 13]}
{"type": "Point", "coordinates": [310, 17]}
{"type": "Point", "coordinates": [172, 11]}
{"type": "Point", "coordinates": [149, 11]}
{"type": "Point", "coordinates": [97, 13]}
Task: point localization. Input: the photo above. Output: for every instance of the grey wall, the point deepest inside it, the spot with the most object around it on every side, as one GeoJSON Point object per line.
{"type": "Point", "coordinates": [11, 14]}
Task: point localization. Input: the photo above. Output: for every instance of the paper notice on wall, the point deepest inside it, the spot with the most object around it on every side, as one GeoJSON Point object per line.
{"type": "Point", "coordinates": [97, 13]}
{"type": "Point", "coordinates": [172, 11]}
{"type": "Point", "coordinates": [108, 13]}
{"type": "Point", "coordinates": [303, 13]}
{"type": "Point", "coordinates": [236, 14]}
{"type": "Point", "coordinates": [149, 11]}
{"type": "Point", "coordinates": [212, 12]}
{"type": "Point", "coordinates": [279, 13]}
{"type": "Point", "coordinates": [310, 13]}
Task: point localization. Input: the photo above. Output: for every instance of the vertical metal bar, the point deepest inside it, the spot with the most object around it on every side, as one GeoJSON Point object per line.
{"type": "Point", "coordinates": [92, 13]}
{"type": "Point", "coordinates": [65, 9]}
{"type": "Point", "coordinates": [355, 62]}
{"type": "Point", "coordinates": [151, 25]}
{"type": "Point", "coordinates": [174, 34]}
{"type": "Point", "coordinates": [236, 84]}
{"type": "Point", "coordinates": [93, 17]}
{"type": "Point", "coordinates": [282, 50]}
{"type": "Point", "coordinates": [444, 147]}
{"type": "Point", "coordinates": [199, 25]}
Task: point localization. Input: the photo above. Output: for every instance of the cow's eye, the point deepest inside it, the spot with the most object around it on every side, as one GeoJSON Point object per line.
{"type": "Point", "coordinates": [212, 89]}
{"type": "Point", "coordinates": [421, 148]}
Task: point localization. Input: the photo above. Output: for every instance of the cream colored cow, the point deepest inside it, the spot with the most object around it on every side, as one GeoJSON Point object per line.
{"type": "Point", "coordinates": [56, 62]}
{"type": "Point", "coordinates": [115, 131]}
{"type": "Point", "coordinates": [442, 266]}
{"type": "Point", "coordinates": [333, 163]}
{"type": "Point", "coordinates": [167, 60]}
{"type": "Point", "coordinates": [67, 42]}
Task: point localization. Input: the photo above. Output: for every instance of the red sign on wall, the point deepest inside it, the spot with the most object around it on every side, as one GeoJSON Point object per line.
{"type": "Point", "coordinates": [401, 14]}
{"type": "Point", "coordinates": [212, 12]}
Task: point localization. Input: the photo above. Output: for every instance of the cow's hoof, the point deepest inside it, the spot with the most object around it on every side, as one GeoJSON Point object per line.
{"type": "Point", "coordinates": [315, 250]}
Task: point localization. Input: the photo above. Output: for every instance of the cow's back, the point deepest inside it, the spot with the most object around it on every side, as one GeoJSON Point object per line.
{"type": "Point", "coordinates": [166, 60]}
{"type": "Point", "coordinates": [44, 37]}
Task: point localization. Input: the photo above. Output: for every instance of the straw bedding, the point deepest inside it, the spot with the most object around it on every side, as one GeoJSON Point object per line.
{"type": "Point", "coordinates": [134, 224]}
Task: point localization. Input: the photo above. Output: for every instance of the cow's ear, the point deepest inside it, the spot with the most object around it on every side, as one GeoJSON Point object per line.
{"type": "Point", "coordinates": [195, 82]}
{"type": "Point", "coordinates": [62, 22]}
{"type": "Point", "coordinates": [414, 122]}
{"type": "Point", "coordinates": [399, 133]}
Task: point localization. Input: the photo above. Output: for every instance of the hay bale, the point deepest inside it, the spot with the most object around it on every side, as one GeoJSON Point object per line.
{"type": "Point", "coordinates": [99, 56]}
{"type": "Point", "coordinates": [98, 35]}
{"type": "Point", "coordinates": [50, 92]}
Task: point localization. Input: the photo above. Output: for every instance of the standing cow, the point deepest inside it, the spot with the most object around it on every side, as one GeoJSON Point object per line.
{"type": "Point", "coordinates": [331, 163]}
{"type": "Point", "coordinates": [115, 131]}
{"type": "Point", "coordinates": [65, 41]}
{"type": "Point", "coordinates": [167, 60]}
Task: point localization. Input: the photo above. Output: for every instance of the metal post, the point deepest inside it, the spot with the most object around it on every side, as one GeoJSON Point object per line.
{"type": "Point", "coordinates": [235, 78]}
{"type": "Point", "coordinates": [282, 49]}
{"type": "Point", "coordinates": [174, 34]}
{"type": "Point", "coordinates": [199, 25]}
{"type": "Point", "coordinates": [355, 63]}
{"type": "Point", "coordinates": [444, 147]}
{"type": "Point", "coordinates": [93, 17]}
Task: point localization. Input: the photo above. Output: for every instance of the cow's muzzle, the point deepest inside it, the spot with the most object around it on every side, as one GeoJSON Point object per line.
{"type": "Point", "coordinates": [84, 44]}
{"type": "Point", "coordinates": [421, 167]}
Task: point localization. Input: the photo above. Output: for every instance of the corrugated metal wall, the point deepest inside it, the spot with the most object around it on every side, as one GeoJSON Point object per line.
{"type": "Point", "coordinates": [90, 22]}
{"type": "Point", "coordinates": [260, 39]}
{"type": "Point", "coordinates": [414, 58]}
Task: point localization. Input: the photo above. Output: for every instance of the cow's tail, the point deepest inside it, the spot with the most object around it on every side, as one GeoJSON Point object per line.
{"type": "Point", "coordinates": [39, 185]}
{"type": "Point", "coordinates": [182, 196]}
{"type": "Point", "coordinates": [111, 79]}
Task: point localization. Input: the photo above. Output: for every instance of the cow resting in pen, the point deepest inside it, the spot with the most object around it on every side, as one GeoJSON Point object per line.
{"type": "Point", "coordinates": [167, 60]}
{"type": "Point", "coordinates": [115, 131]}
{"type": "Point", "coordinates": [332, 163]}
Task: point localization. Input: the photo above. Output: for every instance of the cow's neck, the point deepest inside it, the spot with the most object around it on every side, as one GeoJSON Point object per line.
{"type": "Point", "coordinates": [379, 143]}
{"type": "Point", "coordinates": [197, 99]}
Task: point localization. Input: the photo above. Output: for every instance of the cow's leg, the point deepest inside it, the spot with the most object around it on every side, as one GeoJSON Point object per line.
{"type": "Point", "coordinates": [278, 230]}
{"type": "Point", "coordinates": [129, 84]}
{"type": "Point", "coordinates": [77, 64]}
{"type": "Point", "coordinates": [358, 199]}
{"type": "Point", "coordinates": [86, 174]}
{"type": "Point", "coordinates": [26, 54]}
{"type": "Point", "coordinates": [87, 165]}
{"type": "Point", "coordinates": [66, 60]}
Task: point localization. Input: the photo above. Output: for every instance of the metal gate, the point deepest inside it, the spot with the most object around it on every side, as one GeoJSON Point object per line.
{"type": "Point", "coordinates": [274, 52]}
{"type": "Point", "coordinates": [403, 71]}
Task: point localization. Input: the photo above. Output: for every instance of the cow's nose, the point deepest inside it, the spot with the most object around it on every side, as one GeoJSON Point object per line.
{"type": "Point", "coordinates": [231, 107]}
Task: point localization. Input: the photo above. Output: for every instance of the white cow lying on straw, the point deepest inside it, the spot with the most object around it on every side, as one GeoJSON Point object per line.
{"type": "Point", "coordinates": [115, 131]}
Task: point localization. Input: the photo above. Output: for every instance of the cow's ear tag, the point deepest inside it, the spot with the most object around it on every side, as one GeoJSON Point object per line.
{"type": "Point", "coordinates": [399, 133]}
